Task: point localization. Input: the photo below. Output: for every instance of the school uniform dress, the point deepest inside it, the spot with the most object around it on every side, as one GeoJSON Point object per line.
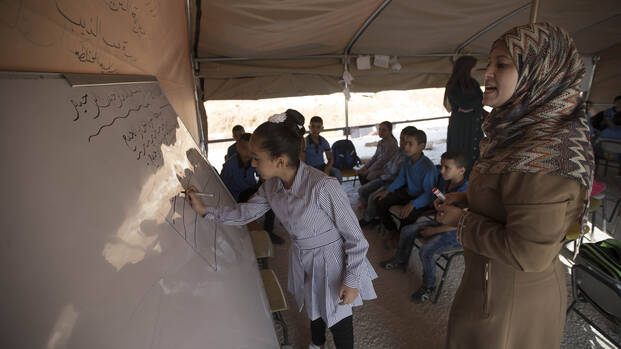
{"type": "Point", "coordinates": [328, 247]}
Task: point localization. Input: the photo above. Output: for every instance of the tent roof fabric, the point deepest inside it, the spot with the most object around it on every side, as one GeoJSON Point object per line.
{"type": "Point", "coordinates": [272, 30]}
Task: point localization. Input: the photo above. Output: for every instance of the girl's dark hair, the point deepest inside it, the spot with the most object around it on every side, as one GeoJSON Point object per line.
{"type": "Point", "coordinates": [283, 137]}
{"type": "Point", "coordinates": [461, 74]}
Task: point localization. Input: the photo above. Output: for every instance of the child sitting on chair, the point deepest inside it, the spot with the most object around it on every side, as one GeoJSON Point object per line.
{"type": "Point", "coordinates": [437, 237]}
{"type": "Point", "coordinates": [238, 130]}
{"type": "Point", "coordinates": [316, 146]}
{"type": "Point", "coordinates": [413, 186]}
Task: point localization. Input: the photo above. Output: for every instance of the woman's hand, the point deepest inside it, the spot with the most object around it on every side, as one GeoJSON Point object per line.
{"type": "Point", "coordinates": [449, 214]}
{"type": "Point", "coordinates": [195, 201]}
{"type": "Point", "coordinates": [347, 294]}
{"type": "Point", "coordinates": [459, 199]}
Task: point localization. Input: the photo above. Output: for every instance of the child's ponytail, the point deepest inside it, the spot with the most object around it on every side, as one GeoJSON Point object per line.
{"type": "Point", "coordinates": [282, 135]}
{"type": "Point", "coordinates": [295, 122]}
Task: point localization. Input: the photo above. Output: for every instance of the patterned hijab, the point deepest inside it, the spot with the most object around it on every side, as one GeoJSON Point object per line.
{"type": "Point", "coordinates": [542, 128]}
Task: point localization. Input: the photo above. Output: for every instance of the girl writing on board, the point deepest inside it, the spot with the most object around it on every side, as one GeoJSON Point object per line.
{"type": "Point", "coordinates": [328, 269]}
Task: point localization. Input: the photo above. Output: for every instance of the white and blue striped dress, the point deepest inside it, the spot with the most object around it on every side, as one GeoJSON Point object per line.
{"type": "Point", "coordinates": [328, 247]}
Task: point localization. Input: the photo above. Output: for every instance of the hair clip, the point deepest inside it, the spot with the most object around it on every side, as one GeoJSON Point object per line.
{"type": "Point", "coordinates": [278, 118]}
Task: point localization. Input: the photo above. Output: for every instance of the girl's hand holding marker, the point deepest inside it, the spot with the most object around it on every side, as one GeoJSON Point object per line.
{"type": "Point", "coordinates": [194, 200]}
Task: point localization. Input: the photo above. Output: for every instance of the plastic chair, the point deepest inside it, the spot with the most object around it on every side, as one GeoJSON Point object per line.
{"type": "Point", "coordinates": [598, 201]}
{"type": "Point", "coordinates": [610, 149]}
{"type": "Point", "coordinates": [590, 285]}
{"type": "Point", "coordinates": [443, 259]}
{"type": "Point", "coordinates": [613, 219]}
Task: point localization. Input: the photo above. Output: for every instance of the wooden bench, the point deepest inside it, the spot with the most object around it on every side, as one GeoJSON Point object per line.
{"type": "Point", "coordinates": [277, 301]}
{"type": "Point", "coordinates": [350, 175]}
{"type": "Point", "coordinates": [263, 248]}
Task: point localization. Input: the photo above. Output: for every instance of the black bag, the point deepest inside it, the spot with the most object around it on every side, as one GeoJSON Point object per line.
{"type": "Point", "coordinates": [604, 255]}
{"type": "Point", "coordinates": [344, 155]}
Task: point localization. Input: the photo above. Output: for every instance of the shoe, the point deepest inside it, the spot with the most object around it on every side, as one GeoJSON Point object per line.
{"type": "Point", "coordinates": [276, 239]}
{"type": "Point", "coordinates": [393, 264]}
{"type": "Point", "coordinates": [422, 295]}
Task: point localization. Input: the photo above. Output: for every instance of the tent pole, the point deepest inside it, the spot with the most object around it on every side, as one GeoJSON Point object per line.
{"type": "Point", "coordinates": [490, 27]}
{"type": "Point", "coordinates": [346, 111]}
{"type": "Point", "coordinates": [533, 11]}
{"type": "Point", "coordinates": [345, 56]}
{"type": "Point", "coordinates": [365, 25]}
{"type": "Point", "coordinates": [595, 59]}
{"type": "Point", "coordinates": [201, 136]}
{"type": "Point", "coordinates": [340, 57]}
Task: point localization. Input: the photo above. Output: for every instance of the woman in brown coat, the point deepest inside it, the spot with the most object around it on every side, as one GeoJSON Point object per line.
{"type": "Point", "coordinates": [529, 184]}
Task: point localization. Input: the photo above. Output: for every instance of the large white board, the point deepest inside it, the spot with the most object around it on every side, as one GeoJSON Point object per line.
{"type": "Point", "coordinates": [98, 248]}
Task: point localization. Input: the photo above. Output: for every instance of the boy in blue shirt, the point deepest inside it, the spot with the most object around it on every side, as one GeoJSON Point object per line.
{"type": "Point", "coordinates": [437, 237]}
{"type": "Point", "coordinates": [316, 146]}
{"type": "Point", "coordinates": [239, 177]}
{"type": "Point", "coordinates": [413, 186]}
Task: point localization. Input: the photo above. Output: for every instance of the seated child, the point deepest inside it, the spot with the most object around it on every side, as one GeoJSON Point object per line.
{"type": "Point", "coordinates": [383, 182]}
{"type": "Point", "coordinates": [437, 237]}
{"type": "Point", "coordinates": [238, 130]}
{"type": "Point", "coordinates": [413, 185]}
{"type": "Point", "coordinates": [386, 148]}
{"type": "Point", "coordinates": [316, 146]}
{"type": "Point", "coordinates": [239, 177]}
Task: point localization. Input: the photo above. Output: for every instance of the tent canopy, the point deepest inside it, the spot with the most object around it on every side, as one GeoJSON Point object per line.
{"type": "Point", "coordinates": [250, 49]}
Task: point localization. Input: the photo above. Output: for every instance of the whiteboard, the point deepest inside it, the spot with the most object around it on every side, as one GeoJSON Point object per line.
{"type": "Point", "coordinates": [99, 250]}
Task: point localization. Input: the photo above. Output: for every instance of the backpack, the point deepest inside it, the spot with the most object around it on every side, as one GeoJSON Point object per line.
{"type": "Point", "coordinates": [604, 255]}
{"type": "Point", "coordinates": [344, 155]}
